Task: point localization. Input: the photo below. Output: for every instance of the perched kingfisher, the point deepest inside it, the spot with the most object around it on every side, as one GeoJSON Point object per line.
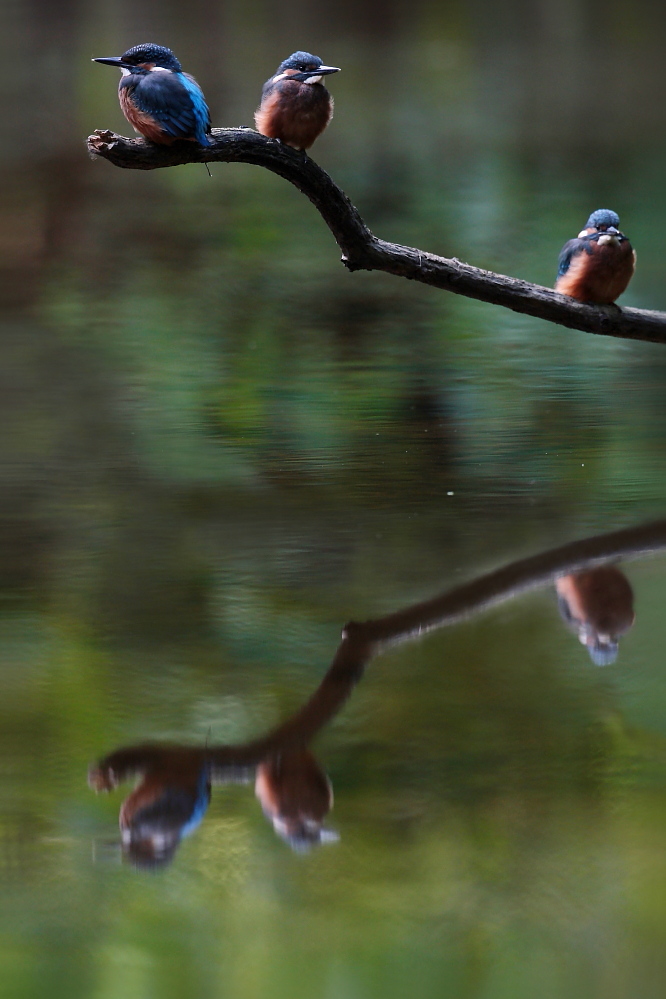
{"type": "Point", "coordinates": [599, 263]}
{"type": "Point", "coordinates": [295, 105]}
{"type": "Point", "coordinates": [160, 101]}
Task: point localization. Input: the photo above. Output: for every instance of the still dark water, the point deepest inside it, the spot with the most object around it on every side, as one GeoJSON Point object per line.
{"type": "Point", "coordinates": [218, 447]}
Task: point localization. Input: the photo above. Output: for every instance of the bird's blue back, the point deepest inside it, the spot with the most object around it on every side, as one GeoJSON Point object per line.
{"type": "Point", "coordinates": [175, 100]}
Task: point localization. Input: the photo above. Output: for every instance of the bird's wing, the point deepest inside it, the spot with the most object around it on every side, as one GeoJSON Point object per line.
{"type": "Point", "coordinates": [268, 88]}
{"type": "Point", "coordinates": [170, 99]}
{"type": "Point", "coordinates": [570, 249]}
{"type": "Point", "coordinates": [198, 100]}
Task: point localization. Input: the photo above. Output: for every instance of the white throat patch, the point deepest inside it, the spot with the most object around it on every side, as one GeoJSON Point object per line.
{"type": "Point", "coordinates": [313, 79]}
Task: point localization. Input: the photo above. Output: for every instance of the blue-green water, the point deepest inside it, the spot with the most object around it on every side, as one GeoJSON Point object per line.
{"type": "Point", "coordinates": [218, 447]}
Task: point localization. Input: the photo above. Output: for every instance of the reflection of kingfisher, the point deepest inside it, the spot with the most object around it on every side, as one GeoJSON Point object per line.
{"type": "Point", "coordinates": [598, 264]}
{"type": "Point", "coordinates": [599, 606]}
{"type": "Point", "coordinates": [160, 101]}
{"type": "Point", "coordinates": [295, 105]}
{"type": "Point", "coordinates": [167, 804]}
{"type": "Point", "coordinates": [296, 795]}
{"type": "Point", "coordinates": [173, 792]}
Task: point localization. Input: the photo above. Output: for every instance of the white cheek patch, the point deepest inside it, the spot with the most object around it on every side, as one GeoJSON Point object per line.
{"type": "Point", "coordinates": [281, 76]}
{"type": "Point", "coordinates": [159, 69]}
{"type": "Point", "coordinates": [313, 79]}
{"type": "Point", "coordinates": [583, 232]}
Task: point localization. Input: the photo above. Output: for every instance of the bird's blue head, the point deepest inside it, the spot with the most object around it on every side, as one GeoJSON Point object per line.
{"type": "Point", "coordinates": [304, 67]}
{"type": "Point", "coordinates": [603, 219]}
{"type": "Point", "coordinates": [143, 58]}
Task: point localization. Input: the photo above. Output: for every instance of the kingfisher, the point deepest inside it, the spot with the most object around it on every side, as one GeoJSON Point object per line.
{"type": "Point", "coordinates": [599, 263]}
{"type": "Point", "coordinates": [295, 105]}
{"type": "Point", "coordinates": [159, 100]}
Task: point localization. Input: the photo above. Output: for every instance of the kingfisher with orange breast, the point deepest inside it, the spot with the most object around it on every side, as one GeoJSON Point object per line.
{"type": "Point", "coordinates": [599, 263]}
{"type": "Point", "coordinates": [159, 100]}
{"type": "Point", "coordinates": [295, 105]}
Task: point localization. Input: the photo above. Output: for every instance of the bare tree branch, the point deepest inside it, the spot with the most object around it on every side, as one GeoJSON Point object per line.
{"type": "Point", "coordinates": [362, 250]}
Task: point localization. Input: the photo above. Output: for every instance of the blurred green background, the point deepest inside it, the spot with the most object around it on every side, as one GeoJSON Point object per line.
{"type": "Point", "coordinates": [218, 446]}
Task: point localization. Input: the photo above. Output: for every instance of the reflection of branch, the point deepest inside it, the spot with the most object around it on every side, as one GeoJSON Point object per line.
{"type": "Point", "coordinates": [508, 582]}
{"type": "Point", "coordinates": [362, 641]}
{"type": "Point", "coordinates": [173, 788]}
{"type": "Point", "coordinates": [362, 250]}
{"type": "Point", "coordinates": [300, 729]}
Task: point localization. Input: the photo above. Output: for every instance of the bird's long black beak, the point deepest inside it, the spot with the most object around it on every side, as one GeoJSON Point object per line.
{"type": "Point", "coordinates": [111, 61]}
{"type": "Point", "coordinates": [322, 71]}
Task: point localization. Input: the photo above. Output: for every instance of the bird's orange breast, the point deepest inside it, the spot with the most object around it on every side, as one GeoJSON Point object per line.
{"type": "Point", "coordinates": [141, 121]}
{"type": "Point", "coordinates": [296, 113]}
{"type": "Point", "coordinates": [599, 276]}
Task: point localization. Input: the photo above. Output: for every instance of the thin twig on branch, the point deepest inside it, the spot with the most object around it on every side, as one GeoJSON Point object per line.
{"type": "Point", "coordinates": [362, 250]}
